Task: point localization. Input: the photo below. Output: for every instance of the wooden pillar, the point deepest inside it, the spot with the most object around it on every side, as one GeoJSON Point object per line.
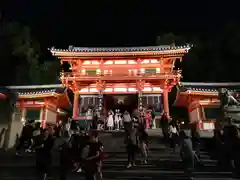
{"type": "Point", "coordinates": [140, 87]}
{"type": "Point", "coordinates": [76, 105]}
{"type": "Point", "coordinates": [44, 113]}
{"type": "Point", "coordinates": [100, 88]}
{"type": "Point", "coordinates": [165, 101]}
{"type": "Point", "coordinates": [101, 67]}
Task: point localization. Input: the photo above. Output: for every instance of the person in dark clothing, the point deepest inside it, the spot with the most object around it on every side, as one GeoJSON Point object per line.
{"type": "Point", "coordinates": [236, 156]}
{"type": "Point", "coordinates": [187, 154]}
{"type": "Point", "coordinates": [131, 147]}
{"type": "Point", "coordinates": [216, 146]}
{"type": "Point", "coordinates": [143, 142]}
{"type": "Point", "coordinates": [74, 148]}
{"type": "Point", "coordinates": [83, 141]}
{"type": "Point", "coordinates": [44, 155]}
{"type": "Point", "coordinates": [65, 160]}
{"type": "Point", "coordinates": [164, 125]}
{"type": "Point", "coordinates": [57, 130]}
{"type": "Point", "coordinates": [230, 133]}
{"type": "Point", "coordinates": [196, 142]}
{"type": "Point", "coordinates": [95, 121]}
{"type": "Point", "coordinates": [26, 136]}
{"type": "Point", "coordinates": [93, 161]}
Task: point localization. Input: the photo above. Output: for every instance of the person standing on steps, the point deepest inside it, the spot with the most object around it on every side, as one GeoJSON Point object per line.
{"type": "Point", "coordinates": [187, 154]}
{"type": "Point", "coordinates": [173, 135]}
{"type": "Point", "coordinates": [93, 161]}
{"type": "Point", "coordinates": [127, 122]}
{"type": "Point", "coordinates": [74, 148]}
{"type": "Point", "coordinates": [110, 120]}
{"type": "Point", "coordinates": [131, 146]}
{"type": "Point", "coordinates": [44, 155]}
{"type": "Point", "coordinates": [143, 142]}
{"type": "Point", "coordinates": [65, 160]}
{"type": "Point", "coordinates": [164, 124]}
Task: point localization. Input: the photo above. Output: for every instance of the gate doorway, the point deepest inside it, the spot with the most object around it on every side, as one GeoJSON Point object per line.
{"type": "Point", "coordinates": [123, 102]}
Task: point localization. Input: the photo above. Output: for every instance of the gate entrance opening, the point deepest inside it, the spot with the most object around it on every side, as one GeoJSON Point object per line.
{"type": "Point", "coordinates": [123, 102]}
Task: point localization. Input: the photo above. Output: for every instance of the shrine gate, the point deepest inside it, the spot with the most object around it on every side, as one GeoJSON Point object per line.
{"type": "Point", "coordinates": [147, 72]}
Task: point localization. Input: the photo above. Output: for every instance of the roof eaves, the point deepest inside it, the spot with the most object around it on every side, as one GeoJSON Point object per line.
{"type": "Point", "coordinates": [35, 87]}
{"type": "Point", "coordinates": [120, 49]}
{"type": "Point", "coordinates": [204, 84]}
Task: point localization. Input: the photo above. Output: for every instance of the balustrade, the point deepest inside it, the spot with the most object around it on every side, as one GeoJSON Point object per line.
{"type": "Point", "coordinates": [82, 76]}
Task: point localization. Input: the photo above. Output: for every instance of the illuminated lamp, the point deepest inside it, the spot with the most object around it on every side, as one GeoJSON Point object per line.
{"type": "Point", "coordinates": [108, 90]}
{"type": "Point", "coordinates": [154, 61]}
{"type": "Point", "coordinates": [86, 62]}
{"type": "Point", "coordinates": [2, 96]}
{"type": "Point", "coordinates": [157, 70]}
{"type": "Point", "coordinates": [93, 90]}
{"type": "Point", "coordinates": [131, 62]}
{"type": "Point", "coordinates": [95, 62]}
{"type": "Point", "coordinates": [142, 70]}
{"type": "Point", "coordinates": [105, 72]}
{"type": "Point", "coordinates": [147, 89]}
{"type": "Point", "coordinates": [120, 89]}
{"type": "Point", "coordinates": [108, 62]}
{"type": "Point", "coordinates": [157, 89]}
{"type": "Point", "coordinates": [120, 62]}
{"type": "Point", "coordinates": [83, 71]}
{"type": "Point", "coordinates": [84, 90]}
{"type": "Point", "coordinates": [132, 89]}
{"type": "Point", "coordinates": [145, 61]}
{"type": "Point", "coordinates": [98, 71]}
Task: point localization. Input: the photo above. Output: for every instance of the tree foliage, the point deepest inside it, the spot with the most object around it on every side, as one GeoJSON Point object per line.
{"type": "Point", "coordinates": [212, 58]}
{"type": "Point", "coordinates": [21, 57]}
{"type": "Point", "coordinates": [170, 38]}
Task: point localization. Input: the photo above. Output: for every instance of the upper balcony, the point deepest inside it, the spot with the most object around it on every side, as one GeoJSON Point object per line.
{"type": "Point", "coordinates": [118, 76]}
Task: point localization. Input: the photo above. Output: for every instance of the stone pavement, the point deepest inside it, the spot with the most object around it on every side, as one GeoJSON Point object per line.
{"type": "Point", "coordinates": [162, 164]}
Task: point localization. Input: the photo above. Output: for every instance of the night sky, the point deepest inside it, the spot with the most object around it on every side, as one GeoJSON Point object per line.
{"type": "Point", "coordinates": [119, 23]}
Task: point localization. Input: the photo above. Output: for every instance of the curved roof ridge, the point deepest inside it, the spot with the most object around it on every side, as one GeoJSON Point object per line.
{"type": "Point", "coordinates": [121, 49]}
{"type": "Point", "coordinates": [210, 84]}
{"type": "Point", "coordinates": [36, 86]}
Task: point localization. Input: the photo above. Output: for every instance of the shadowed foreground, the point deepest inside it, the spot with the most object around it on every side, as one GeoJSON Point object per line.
{"type": "Point", "coordinates": [162, 164]}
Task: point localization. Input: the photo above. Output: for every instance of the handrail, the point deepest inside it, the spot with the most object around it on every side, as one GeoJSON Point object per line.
{"type": "Point", "coordinates": [122, 74]}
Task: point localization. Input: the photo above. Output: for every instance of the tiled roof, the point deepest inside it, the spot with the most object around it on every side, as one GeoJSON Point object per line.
{"type": "Point", "coordinates": [37, 90]}
{"type": "Point", "coordinates": [121, 49]}
{"type": "Point", "coordinates": [209, 87]}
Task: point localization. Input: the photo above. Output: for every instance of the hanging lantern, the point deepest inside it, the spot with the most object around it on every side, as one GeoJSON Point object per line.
{"type": "Point", "coordinates": [3, 96]}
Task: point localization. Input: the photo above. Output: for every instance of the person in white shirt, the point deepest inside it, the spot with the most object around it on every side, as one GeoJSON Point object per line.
{"type": "Point", "coordinates": [173, 135]}
{"type": "Point", "coordinates": [110, 121]}
{"type": "Point", "coordinates": [117, 119]}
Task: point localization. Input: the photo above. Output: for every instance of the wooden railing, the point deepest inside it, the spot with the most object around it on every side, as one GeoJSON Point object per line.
{"type": "Point", "coordinates": [119, 76]}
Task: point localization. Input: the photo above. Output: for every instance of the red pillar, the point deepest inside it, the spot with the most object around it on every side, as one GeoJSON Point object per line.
{"type": "Point", "coordinates": [165, 101]}
{"type": "Point", "coordinates": [44, 109]}
{"type": "Point", "coordinates": [76, 105]}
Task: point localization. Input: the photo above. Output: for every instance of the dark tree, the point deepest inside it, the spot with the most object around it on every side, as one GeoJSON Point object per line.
{"type": "Point", "coordinates": [23, 62]}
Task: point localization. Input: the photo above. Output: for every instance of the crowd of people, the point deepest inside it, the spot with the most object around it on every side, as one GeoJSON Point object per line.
{"type": "Point", "coordinates": [81, 149]}
{"type": "Point", "coordinates": [115, 119]}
